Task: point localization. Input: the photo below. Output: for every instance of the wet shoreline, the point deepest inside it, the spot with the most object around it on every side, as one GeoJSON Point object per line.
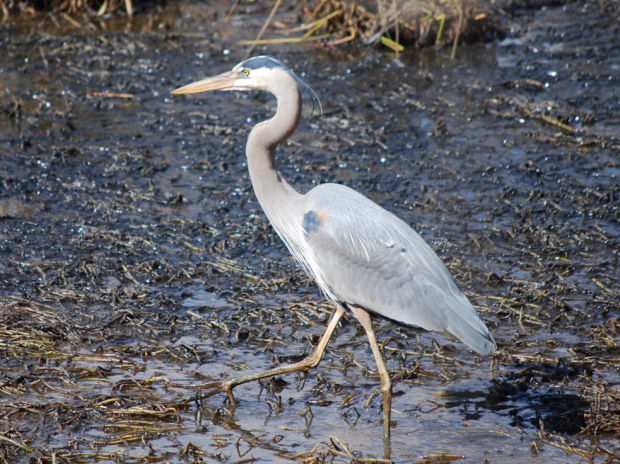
{"type": "Point", "coordinates": [135, 261]}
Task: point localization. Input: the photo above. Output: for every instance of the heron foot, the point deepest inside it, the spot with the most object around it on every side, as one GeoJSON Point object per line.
{"type": "Point", "coordinates": [226, 386]}
{"type": "Point", "coordinates": [231, 397]}
{"type": "Point", "coordinates": [212, 389]}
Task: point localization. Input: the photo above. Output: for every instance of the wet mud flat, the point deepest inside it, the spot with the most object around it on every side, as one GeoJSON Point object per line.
{"type": "Point", "coordinates": [135, 263]}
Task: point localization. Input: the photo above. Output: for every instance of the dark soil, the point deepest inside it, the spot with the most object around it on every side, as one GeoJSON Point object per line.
{"type": "Point", "coordinates": [136, 264]}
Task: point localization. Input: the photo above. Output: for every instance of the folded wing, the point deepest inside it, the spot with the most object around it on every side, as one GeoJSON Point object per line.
{"type": "Point", "coordinates": [367, 256]}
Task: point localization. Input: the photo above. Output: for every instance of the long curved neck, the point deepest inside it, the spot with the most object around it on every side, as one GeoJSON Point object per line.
{"type": "Point", "coordinates": [274, 194]}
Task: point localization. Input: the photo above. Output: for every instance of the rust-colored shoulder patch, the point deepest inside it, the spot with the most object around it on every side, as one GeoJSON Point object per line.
{"type": "Point", "coordinates": [312, 221]}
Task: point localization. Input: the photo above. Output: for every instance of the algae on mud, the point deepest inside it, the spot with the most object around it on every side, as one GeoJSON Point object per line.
{"type": "Point", "coordinates": [147, 266]}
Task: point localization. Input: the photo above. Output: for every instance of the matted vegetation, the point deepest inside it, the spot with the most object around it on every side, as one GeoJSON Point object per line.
{"type": "Point", "coordinates": [328, 22]}
{"type": "Point", "coordinates": [136, 265]}
{"type": "Point", "coordinates": [90, 7]}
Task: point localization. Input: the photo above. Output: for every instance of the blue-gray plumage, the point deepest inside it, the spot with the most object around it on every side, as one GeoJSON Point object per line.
{"type": "Point", "coordinates": [311, 223]}
{"type": "Point", "coordinates": [371, 258]}
{"type": "Point", "coordinates": [364, 258]}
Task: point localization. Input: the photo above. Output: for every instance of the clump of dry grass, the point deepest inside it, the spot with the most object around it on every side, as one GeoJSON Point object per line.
{"type": "Point", "coordinates": [389, 22]}
{"type": "Point", "coordinates": [332, 22]}
{"type": "Point", "coordinates": [417, 22]}
{"type": "Point", "coordinates": [94, 7]}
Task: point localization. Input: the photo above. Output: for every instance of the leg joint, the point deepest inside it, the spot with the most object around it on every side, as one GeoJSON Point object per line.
{"type": "Point", "coordinates": [386, 387]}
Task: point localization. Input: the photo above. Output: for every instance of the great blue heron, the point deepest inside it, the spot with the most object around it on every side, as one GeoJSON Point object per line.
{"type": "Point", "coordinates": [364, 258]}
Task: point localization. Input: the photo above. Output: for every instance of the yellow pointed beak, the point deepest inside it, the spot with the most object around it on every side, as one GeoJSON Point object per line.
{"type": "Point", "coordinates": [220, 82]}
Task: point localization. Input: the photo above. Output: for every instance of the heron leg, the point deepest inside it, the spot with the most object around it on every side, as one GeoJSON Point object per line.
{"type": "Point", "coordinates": [226, 386]}
{"type": "Point", "coordinates": [386, 384]}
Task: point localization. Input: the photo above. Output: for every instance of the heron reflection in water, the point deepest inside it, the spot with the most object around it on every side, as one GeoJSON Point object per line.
{"type": "Point", "coordinates": [364, 258]}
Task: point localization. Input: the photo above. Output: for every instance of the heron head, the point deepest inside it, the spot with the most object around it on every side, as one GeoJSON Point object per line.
{"type": "Point", "coordinates": [256, 73]}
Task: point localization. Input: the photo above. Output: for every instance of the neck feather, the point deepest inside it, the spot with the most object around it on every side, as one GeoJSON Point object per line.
{"type": "Point", "coordinates": [275, 195]}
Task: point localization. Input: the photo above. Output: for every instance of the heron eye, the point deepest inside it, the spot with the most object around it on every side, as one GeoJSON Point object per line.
{"type": "Point", "coordinates": [245, 72]}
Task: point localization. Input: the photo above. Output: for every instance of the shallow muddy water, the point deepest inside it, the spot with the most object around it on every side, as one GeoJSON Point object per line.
{"type": "Point", "coordinates": [136, 264]}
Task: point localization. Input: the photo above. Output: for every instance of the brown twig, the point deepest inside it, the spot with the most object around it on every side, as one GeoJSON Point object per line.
{"type": "Point", "coordinates": [276, 5]}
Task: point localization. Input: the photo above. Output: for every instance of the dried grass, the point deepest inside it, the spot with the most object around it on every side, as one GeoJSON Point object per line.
{"type": "Point", "coordinates": [328, 22]}
{"type": "Point", "coordinates": [417, 22]}
{"type": "Point", "coordinates": [91, 7]}
{"type": "Point", "coordinates": [392, 23]}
